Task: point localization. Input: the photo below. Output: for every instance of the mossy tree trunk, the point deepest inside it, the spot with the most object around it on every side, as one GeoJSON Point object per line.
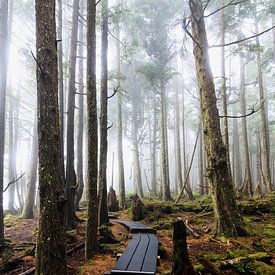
{"type": "Point", "coordinates": [92, 220]}
{"type": "Point", "coordinates": [103, 208]}
{"type": "Point", "coordinates": [61, 78]}
{"type": "Point", "coordinates": [228, 220]}
{"type": "Point", "coordinates": [3, 81]}
{"type": "Point", "coordinates": [51, 236]}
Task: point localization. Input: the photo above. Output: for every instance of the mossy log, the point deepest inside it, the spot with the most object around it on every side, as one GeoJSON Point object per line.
{"type": "Point", "coordinates": [219, 266]}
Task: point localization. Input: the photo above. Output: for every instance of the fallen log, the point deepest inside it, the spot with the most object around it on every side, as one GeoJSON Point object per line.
{"type": "Point", "coordinates": [217, 267]}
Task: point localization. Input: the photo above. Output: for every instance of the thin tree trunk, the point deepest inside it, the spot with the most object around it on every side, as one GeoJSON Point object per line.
{"type": "Point", "coordinates": [3, 81]}
{"type": "Point", "coordinates": [185, 166]}
{"type": "Point", "coordinates": [246, 158]}
{"type": "Point", "coordinates": [32, 177]}
{"type": "Point", "coordinates": [51, 236]}
{"type": "Point", "coordinates": [166, 194]}
{"type": "Point", "coordinates": [264, 119]}
{"type": "Point", "coordinates": [224, 95]}
{"type": "Point", "coordinates": [153, 150]}
{"type": "Point", "coordinates": [103, 208]}
{"type": "Point", "coordinates": [70, 171]}
{"type": "Point", "coordinates": [177, 143]}
{"type": "Point", "coordinates": [12, 159]}
{"type": "Point", "coordinates": [201, 166]}
{"type": "Point", "coordinates": [121, 178]}
{"type": "Point", "coordinates": [228, 220]}
{"type": "Point", "coordinates": [236, 155]}
{"type": "Point", "coordinates": [80, 181]}
{"type": "Point", "coordinates": [92, 220]}
{"type": "Point", "coordinates": [137, 169]}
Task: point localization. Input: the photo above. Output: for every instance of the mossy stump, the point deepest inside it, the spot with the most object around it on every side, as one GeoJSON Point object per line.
{"type": "Point", "coordinates": [181, 264]}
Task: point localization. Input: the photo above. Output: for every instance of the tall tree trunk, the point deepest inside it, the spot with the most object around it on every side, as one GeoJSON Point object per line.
{"type": "Point", "coordinates": [3, 82]}
{"type": "Point", "coordinates": [247, 184]}
{"type": "Point", "coordinates": [103, 208]}
{"type": "Point", "coordinates": [70, 171]}
{"type": "Point", "coordinates": [153, 150]}
{"type": "Point", "coordinates": [80, 181]}
{"type": "Point", "coordinates": [32, 177]}
{"type": "Point", "coordinates": [224, 95]}
{"type": "Point", "coordinates": [273, 24]}
{"type": "Point", "coordinates": [166, 194]}
{"type": "Point", "coordinates": [12, 159]}
{"type": "Point", "coordinates": [121, 178]}
{"type": "Point", "coordinates": [228, 220]}
{"type": "Point", "coordinates": [185, 166]}
{"type": "Point", "coordinates": [137, 169]}
{"type": "Point", "coordinates": [264, 119]}
{"type": "Point", "coordinates": [92, 221]}
{"type": "Point", "coordinates": [201, 166]}
{"type": "Point", "coordinates": [61, 79]}
{"type": "Point", "coordinates": [51, 236]}
{"type": "Point", "coordinates": [238, 179]}
{"type": "Point", "coordinates": [177, 143]}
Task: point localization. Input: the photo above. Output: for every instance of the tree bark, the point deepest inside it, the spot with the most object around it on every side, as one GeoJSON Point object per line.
{"type": "Point", "coordinates": [3, 82]}
{"type": "Point", "coordinates": [247, 184]}
{"type": "Point", "coordinates": [61, 79]}
{"type": "Point", "coordinates": [92, 220]}
{"type": "Point", "coordinates": [70, 170]}
{"type": "Point", "coordinates": [51, 237]}
{"type": "Point", "coordinates": [228, 220]}
{"type": "Point", "coordinates": [103, 208]}
{"type": "Point", "coordinates": [80, 181]}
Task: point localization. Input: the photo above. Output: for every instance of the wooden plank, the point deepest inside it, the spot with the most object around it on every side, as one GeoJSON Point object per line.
{"type": "Point", "coordinates": [126, 257]}
{"type": "Point", "coordinates": [135, 227]}
{"type": "Point", "coordinates": [132, 272]}
{"type": "Point", "coordinates": [138, 257]}
{"type": "Point", "coordinates": [150, 259]}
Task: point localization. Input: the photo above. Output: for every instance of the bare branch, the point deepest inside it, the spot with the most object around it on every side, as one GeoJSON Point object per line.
{"type": "Point", "coordinates": [253, 111]}
{"type": "Point", "coordinates": [242, 40]}
{"type": "Point", "coordinates": [12, 182]}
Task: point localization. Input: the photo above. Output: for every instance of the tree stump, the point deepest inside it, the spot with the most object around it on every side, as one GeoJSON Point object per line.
{"type": "Point", "coordinates": [138, 209]}
{"type": "Point", "coordinates": [181, 264]}
{"type": "Point", "coordinates": [112, 201]}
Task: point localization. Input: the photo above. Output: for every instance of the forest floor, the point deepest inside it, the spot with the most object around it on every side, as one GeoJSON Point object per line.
{"type": "Point", "coordinates": [259, 216]}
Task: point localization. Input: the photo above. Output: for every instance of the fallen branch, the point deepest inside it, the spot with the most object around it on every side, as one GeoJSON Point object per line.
{"type": "Point", "coordinates": [191, 230]}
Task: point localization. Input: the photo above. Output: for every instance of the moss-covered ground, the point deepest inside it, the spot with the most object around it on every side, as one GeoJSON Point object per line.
{"type": "Point", "coordinates": [259, 217]}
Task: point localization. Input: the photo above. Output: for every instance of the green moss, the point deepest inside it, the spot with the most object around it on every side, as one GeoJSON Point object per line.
{"type": "Point", "coordinates": [11, 220]}
{"type": "Point", "coordinates": [231, 254]}
{"type": "Point", "coordinates": [163, 225]}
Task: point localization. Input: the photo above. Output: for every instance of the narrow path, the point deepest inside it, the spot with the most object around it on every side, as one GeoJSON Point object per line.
{"type": "Point", "coordinates": [140, 255]}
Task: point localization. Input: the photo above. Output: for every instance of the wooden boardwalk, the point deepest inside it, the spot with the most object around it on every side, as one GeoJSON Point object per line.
{"type": "Point", "coordinates": [140, 256]}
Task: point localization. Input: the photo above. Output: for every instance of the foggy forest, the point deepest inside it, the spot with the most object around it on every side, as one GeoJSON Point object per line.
{"type": "Point", "coordinates": [137, 137]}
